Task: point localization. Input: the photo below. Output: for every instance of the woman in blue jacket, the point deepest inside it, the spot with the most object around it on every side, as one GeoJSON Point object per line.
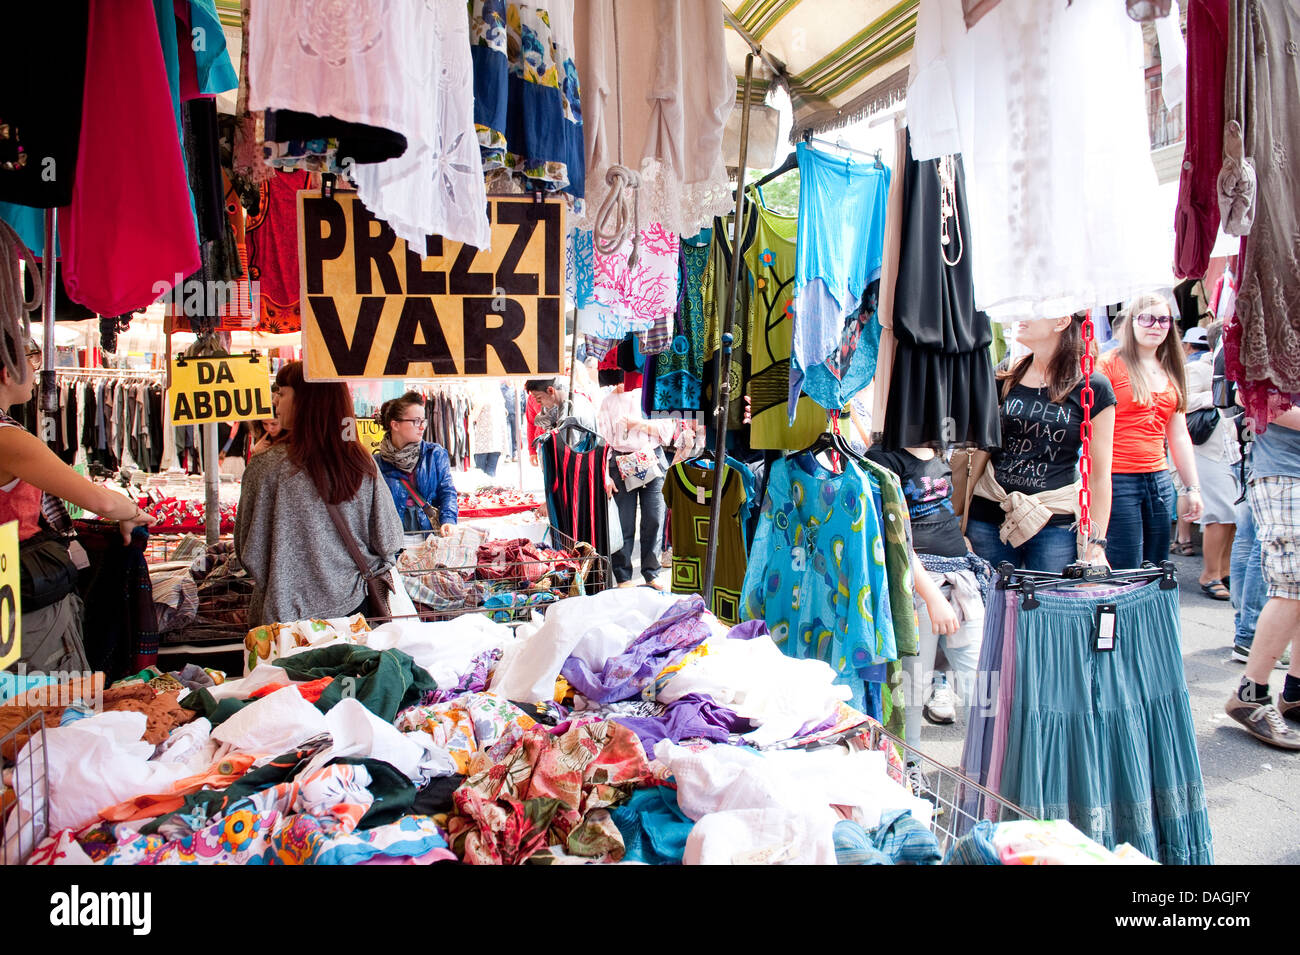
{"type": "Point", "coordinates": [418, 472]}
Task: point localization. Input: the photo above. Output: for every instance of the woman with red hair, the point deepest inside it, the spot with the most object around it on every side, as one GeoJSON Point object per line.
{"type": "Point", "coordinates": [286, 539]}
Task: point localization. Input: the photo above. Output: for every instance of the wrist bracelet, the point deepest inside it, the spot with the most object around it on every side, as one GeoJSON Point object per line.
{"type": "Point", "coordinates": [1194, 489]}
{"type": "Point", "coordinates": [1099, 541]}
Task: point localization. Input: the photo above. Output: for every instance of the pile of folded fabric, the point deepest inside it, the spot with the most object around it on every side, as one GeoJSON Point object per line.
{"type": "Point", "coordinates": [627, 726]}
{"type": "Point", "coordinates": [506, 578]}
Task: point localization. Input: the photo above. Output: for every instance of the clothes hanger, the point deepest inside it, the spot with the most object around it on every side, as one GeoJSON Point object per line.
{"type": "Point", "coordinates": [791, 162]}
{"type": "Point", "coordinates": [841, 144]}
{"type": "Point", "coordinates": [832, 440]}
{"type": "Point", "coordinates": [1079, 575]}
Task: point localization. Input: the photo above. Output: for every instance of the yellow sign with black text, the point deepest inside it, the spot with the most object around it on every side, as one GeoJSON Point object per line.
{"type": "Point", "coordinates": [372, 308]}
{"type": "Point", "coordinates": [11, 614]}
{"type": "Point", "coordinates": [208, 390]}
{"type": "Point", "coordinates": [369, 432]}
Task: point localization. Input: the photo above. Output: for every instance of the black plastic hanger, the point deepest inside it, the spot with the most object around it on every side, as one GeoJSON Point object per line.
{"type": "Point", "coordinates": [791, 162]}
{"type": "Point", "coordinates": [1077, 575]}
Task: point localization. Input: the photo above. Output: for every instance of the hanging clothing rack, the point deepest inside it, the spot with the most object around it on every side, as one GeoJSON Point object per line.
{"type": "Point", "coordinates": [153, 373]}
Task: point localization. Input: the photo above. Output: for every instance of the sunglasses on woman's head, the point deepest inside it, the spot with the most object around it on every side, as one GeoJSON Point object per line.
{"type": "Point", "coordinates": [1147, 320]}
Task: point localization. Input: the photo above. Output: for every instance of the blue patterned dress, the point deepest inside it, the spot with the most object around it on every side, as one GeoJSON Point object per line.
{"type": "Point", "coordinates": [817, 570]}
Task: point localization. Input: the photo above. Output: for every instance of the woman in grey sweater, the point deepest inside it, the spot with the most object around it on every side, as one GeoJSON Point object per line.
{"type": "Point", "coordinates": [285, 538]}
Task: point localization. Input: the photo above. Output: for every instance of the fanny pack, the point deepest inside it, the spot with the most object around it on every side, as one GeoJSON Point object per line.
{"type": "Point", "coordinates": [47, 573]}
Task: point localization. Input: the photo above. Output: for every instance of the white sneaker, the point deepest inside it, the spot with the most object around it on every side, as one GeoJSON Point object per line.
{"type": "Point", "coordinates": [941, 708]}
{"type": "Point", "coordinates": [1241, 654]}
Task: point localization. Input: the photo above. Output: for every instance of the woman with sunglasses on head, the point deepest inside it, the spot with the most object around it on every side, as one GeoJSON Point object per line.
{"type": "Point", "coordinates": [1150, 382]}
{"type": "Point", "coordinates": [417, 472]}
{"type": "Point", "coordinates": [286, 538]}
{"type": "Point", "coordinates": [33, 482]}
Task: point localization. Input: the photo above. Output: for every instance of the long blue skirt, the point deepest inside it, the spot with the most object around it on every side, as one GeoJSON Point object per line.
{"type": "Point", "coordinates": [1106, 739]}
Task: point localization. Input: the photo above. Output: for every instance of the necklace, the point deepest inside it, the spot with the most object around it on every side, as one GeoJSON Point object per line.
{"type": "Point", "coordinates": [948, 209]}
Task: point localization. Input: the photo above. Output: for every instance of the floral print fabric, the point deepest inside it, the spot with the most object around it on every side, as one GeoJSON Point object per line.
{"type": "Point", "coordinates": [535, 789]}
{"type": "Point", "coordinates": [527, 103]}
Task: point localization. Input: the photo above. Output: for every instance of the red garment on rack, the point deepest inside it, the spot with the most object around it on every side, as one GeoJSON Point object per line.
{"type": "Point", "coordinates": [272, 240]}
{"type": "Point", "coordinates": [1196, 219]}
{"type": "Point", "coordinates": [129, 232]}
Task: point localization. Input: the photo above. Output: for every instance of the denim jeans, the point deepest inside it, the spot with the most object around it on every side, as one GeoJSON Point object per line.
{"type": "Point", "coordinates": [487, 463]}
{"type": "Point", "coordinates": [650, 497]}
{"type": "Point", "coordinates": [1141, 517]}
{"type": "Point", "coordinates": [1052, 549]}
{"type": "Point", "coordinates": [1249, 592]}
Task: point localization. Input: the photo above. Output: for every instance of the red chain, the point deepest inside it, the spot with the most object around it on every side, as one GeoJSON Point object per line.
{"type": "Point", "coordinates": [1086, 365]}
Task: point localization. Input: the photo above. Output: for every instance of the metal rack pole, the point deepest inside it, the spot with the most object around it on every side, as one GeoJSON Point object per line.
{"type": "Point", "coordinates": [49, 390]}
{"type": "Point", "coordinates": [722, 375]}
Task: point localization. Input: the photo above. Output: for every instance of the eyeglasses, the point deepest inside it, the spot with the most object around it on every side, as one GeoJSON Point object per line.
{"type": "Point", "coordinates": [34, 359]}
{"type": "Point", "coordinates": [1147, 320]}
{"type": "Point", "coordinates": [419, 421]}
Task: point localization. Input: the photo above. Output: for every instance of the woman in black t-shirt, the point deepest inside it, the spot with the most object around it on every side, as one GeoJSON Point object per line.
{"type": "Point", "coordinates": [1042, 412]}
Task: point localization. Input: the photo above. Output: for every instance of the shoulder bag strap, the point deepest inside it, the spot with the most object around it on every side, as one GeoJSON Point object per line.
{"type": "Point", "coordinates": [349, 541]}
{"type": "Point", "coordinates": [976, 463]}
{"type": "Point", "coordinates": [431, 511]}
{"type": "Point", "coordinates": [410, 486]}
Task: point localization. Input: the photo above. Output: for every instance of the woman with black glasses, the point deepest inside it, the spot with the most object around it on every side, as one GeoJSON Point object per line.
{"type": "Point", "coordinates": [418, 472]}
{"type": "Point", "coordinates": [1150, 384]}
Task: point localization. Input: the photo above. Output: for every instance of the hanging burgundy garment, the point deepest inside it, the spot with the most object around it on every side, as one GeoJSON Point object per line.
{"type": "Point", "coordinates": [129, 231]}
{"type": "Point", "coordinates": [1196, 219]}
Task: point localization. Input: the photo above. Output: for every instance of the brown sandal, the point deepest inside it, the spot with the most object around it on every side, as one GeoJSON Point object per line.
{"type": "Point", "coordinates": [1183, 548]}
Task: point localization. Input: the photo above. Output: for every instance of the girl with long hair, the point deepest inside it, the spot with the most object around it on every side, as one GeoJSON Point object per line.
{"type": "Point", "coordinates": [284, 535]}
{"type": "Point", "coordinates": [1025, 503]}
{"type": "Point", "coordinates": [1150, 383]}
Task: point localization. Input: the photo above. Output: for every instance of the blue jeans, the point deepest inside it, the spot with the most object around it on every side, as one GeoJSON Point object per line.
{"type": "Point", "coordinates": [487, 463]}
{"type": "Point", "coordinates": [1249, 592]}
{"type": "Point", "coordinates": [1052, 549]}
{"type": "Point", "coordinates": [1141, 517]}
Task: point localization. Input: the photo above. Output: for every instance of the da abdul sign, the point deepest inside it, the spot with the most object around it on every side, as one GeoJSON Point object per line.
{"type": "Point", "coordinates": [207, 390]}
{"type": "Point", "coordinates": [372, 308]}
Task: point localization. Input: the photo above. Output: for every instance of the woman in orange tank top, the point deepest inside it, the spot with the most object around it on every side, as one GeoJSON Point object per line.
{"type": "Point", "coordinates": [1151, 393]}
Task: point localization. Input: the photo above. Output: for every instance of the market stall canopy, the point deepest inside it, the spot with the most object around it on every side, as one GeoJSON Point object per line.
{"type": "Point", "coordinates": [839, 59]}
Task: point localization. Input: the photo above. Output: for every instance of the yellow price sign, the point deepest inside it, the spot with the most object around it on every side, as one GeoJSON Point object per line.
{"type": "Point", "coordinates": [11, 614]}
{"type": "Point", "coordinates": [208, 390]}
{"type": "Point", "coordinates": [369, 432]}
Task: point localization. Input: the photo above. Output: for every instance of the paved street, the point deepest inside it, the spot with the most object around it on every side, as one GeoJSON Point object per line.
{"type": "Point", "coordinates": [1250, 787]}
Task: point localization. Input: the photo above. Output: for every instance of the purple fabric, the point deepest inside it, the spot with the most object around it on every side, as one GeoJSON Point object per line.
{"type": "Point", "coordinates": [1006, 697]}
{"type": "Point", "coordinates": [983, 712]}
{"type": "Point", "coordinates": [748, 630]}
{"type": "Point", "coordinates": [663, 643]}
{"type": "Point", "coordinates": [694, 716]}
{"type": "Point", "coordinates": [474, 681]}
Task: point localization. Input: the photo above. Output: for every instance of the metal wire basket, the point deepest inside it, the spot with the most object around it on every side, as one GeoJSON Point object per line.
{"type": "Point", "coordinates": [959, 802]}
{"type": "Point", "coordinates": [505, 589]}
{"type": "Point", "coordinates": [20, 832]}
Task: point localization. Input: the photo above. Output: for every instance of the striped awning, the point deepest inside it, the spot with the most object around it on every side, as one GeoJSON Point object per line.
{"type": "Point", "coordinates": [228, 11]}
{"type": "Point", "coordinates": [839, 59]}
